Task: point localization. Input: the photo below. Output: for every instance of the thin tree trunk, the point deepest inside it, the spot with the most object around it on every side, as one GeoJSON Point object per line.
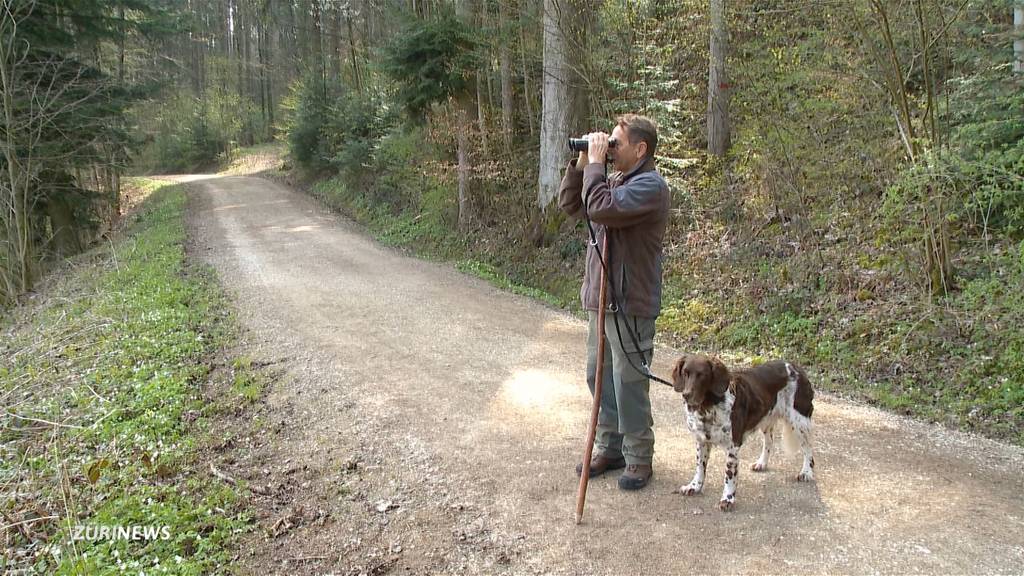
{"type": "Point", "coordinates": [527, 93]}
{"type": "Point", "coordinates": [318, 44]}
{"type": "Point", "coordinates": [193, 54]}
{"type": "Point", "coordinates": [480, 114]}
{"type": "Point", "coordinates": [18, 277]}
{"type": "Point", "coordinates": [226, 36]}
{"type": "Point", "coordinates": [268, 86]}
{"type": "Point", "coordinates": [303, 25]}
{"type": "Point", "coordinates": [464, 9]}
{"type": "Point", "coordinates": [336, 57]}
{"type": "Point", "coordinates": [462, 122]}
{"type": "Point", "coordinates": [290, 38]}
{"type": "Point", "coordinates": [115, 209]}
{"type": "Point", "coordinates": [120, 47]}
{"type": "Point", "coordinates": [352, 51]}
{"type": "Point", "coordinates": [491, 104]}
{"type": "Point", "coordinates": [928, 122]}
{"type": "Point", "coordinates": [1018, 44]}
{"type": "Point", "coordinates": [259, 76]}
{"type": "Point", "coordinates": [505, 58]}
{"type": "Point", "coordinates": [245, 81]}
{"type": "Point", "coordinates": [718, 83]}
{"type": "Point", "coordinates": [898, 87]}
{"type": "Point", "coordinates": [239, 24]}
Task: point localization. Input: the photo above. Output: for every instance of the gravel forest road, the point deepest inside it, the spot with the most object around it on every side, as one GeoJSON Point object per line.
{"type": "Point", "coordinates": [425, 422]}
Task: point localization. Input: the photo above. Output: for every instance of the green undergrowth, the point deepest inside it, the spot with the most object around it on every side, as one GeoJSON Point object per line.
{"type": "Point", "coordinates": [106, 420]}
{"type": "Point", "coordinates": [497, 277]}
{"type": "Point", "coordinates": [956, 360]}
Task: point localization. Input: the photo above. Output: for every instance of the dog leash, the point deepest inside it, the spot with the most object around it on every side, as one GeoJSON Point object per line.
{"type": "Point", "coordinates": [615, 308]}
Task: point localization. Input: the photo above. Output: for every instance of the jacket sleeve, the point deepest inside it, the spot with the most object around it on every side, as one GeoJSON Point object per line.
{"type": "Point", "coordinates": [627, 205]}
{"type": "Point", "coordinates": [570, 192]}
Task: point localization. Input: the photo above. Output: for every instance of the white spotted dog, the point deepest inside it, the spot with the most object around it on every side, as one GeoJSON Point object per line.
{"type": "Point", "coordinates": [722, 407]}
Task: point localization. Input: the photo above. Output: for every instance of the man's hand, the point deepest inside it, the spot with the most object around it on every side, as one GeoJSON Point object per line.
{"type": "Point", "coordinates": [598, 150]}
{"type": "Point", "coordinates": [582, 160]}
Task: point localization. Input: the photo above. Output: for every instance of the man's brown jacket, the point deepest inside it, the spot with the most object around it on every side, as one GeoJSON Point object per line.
{"type": "Point", "coordinates": [632, 209]}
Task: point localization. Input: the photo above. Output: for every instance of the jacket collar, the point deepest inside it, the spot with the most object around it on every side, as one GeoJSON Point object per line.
{"type": "Point", "coordinates": [646, 165]}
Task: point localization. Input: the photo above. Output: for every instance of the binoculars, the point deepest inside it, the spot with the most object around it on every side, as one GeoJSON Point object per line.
{"type": "Point", "coordinates": [582, 144]}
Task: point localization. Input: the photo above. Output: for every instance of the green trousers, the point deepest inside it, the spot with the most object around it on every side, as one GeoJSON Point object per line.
{"type": "Point", "coordinates": [624, 423]}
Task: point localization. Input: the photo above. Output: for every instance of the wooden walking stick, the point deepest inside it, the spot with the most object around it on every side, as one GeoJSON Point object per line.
{"type": "Point", "coordinates": [588, 451]}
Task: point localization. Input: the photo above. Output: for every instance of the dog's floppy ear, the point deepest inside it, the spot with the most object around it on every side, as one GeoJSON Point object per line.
{"type": "Point", "coordinates": [719, 378]}
{"type": "Point", "coordinates": [677, 372]}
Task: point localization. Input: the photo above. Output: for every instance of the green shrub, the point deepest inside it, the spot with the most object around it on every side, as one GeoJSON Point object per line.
{"type": "Point", "coordinates": [331, 126]}
{"type": "Point", "coordinates": [402, 182]}
{"type": "Point", "coordinates": [305, 113]}
{"type": "Point", "coordinates": [354, 124]}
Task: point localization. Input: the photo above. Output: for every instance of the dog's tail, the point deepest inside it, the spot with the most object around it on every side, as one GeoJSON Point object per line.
{"type": "Point", "coordinates": [798, 421]}
{"type": "Point", "coordinates": [790, 442]}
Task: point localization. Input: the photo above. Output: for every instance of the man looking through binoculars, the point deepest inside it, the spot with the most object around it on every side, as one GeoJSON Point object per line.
{"type": "Point", "coordinates": [630, 206]}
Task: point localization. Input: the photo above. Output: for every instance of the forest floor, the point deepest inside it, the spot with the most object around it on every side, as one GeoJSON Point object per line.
{"type": "Point", "coordinates": [420, 420]}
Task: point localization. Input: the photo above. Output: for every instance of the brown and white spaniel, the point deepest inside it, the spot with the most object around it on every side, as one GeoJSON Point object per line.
{"type": "Point", "coordinates": [722, 406]}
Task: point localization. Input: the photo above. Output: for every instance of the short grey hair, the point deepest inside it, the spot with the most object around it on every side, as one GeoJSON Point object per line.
{"type": "Point", "coordinates": [640, 128]}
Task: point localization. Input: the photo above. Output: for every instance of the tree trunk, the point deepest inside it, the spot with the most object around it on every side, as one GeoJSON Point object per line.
{"type": "Point", "coordinates": [240, 39]}
{"type": "Point", "coordinates": [527, 93]}
{"type": "Point", "coordinates": [718, 83]}
{"type": "Point", "coordinates": [115, 209]}
{"type": "Point", "coordinates": [938, 265]}
{"type": "Point", "coordinates": [464, 9]}
{"type": "Point", "coordinates": [336, 57]}
{"type": "Point", "coordinates": [193, 52]}
{"type": "Point", "coordinates": [303, 24]}
{"type": "Point", "coordinates": [266, 58]}
{"type": "Point", "coordinates": [896, 83]}
{"type": "Point", "coordinates": [505, 64]}
{"type": "Point", "coordinates": [260, 76]}
{"type": "Point", "coordinates": [505, 57]}
{"type": "Point", "coordinates": [507, 102]}
{"type": "Point", "coordinates": [318, 44]}
{"type": "Point", "coordinates": [462, 122]}
{"type": "Point", "coordinates": [120, 48]}
{"type": "Point", "coordinates": [491, 103]}
{"type": "Point", "coordinates": [225, 36]}
{"type": "Point", "coordinates": [17, 274]}
{"type": "Point", "coordinates": [290, 37]}
{"type": "Point", "coordinates": [1018, 43]}
{"type": "Point", "coordinates": [480, 114]}
{"type": "Point", "coordinates": [352, 51]}
{"type": "Point", "coordinates": [563, 97]}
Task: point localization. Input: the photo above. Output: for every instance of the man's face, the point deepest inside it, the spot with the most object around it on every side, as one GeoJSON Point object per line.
{"type": "Point", "coordinates": [625, 155]}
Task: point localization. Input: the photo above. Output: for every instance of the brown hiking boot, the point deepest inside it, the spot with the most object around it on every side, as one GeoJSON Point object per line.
{"type": "Point", "coordinates": [636, 476]}
{"type": "Point", "coordinates": [600, 464]}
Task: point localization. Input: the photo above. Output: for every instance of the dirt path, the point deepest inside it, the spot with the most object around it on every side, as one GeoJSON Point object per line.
{"type": "Point", "coordinates": [429, 423]}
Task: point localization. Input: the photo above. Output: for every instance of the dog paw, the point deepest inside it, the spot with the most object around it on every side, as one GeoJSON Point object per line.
{"type": "Point", "coordinates": [805, 476]}
{"type": "Point", "coordinates": [688, 490]}
{"type": "Point", "coordinates": [727, 504]}
{"type": "Point", "coordinates": [759, 467]}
